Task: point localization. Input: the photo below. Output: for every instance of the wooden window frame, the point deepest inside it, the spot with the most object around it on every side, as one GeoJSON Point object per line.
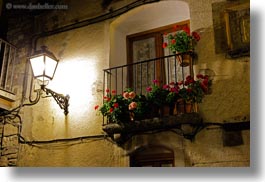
{"type": "Point", "coordinates": [157, 33]}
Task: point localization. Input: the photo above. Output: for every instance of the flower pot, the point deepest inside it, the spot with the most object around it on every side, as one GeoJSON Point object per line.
{"type": "Point", "coordinates": [186, 107]}
{"type": "Point", "coordinates": [164, 110]}
{"type": "Point", "coordinates": [184, 59]}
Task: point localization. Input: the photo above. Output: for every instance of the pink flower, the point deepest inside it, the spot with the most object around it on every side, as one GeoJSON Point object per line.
{"type": "Point", "coordinates": [149, 89]}
{"type": "Point", "coordinates": [126, 95]}
{"type": "Point", "coordinates": [132, 105]}
{"type": "Point", "coordinates": [165, 86]}
{"type": "Point", "coordinates": [155, 81]}
{"type": "Point", "coordinates": [132, 95]}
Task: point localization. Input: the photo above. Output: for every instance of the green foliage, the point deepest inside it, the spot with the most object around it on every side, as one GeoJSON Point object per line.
{"type": "Point", "coordinates": [181, 41]}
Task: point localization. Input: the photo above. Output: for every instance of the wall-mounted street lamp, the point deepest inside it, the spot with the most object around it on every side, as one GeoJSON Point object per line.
{"type": "Point", "coordinates": [44, 64]}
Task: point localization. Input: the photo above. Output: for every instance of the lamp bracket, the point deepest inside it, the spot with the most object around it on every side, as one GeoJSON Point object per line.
{"type": "Point", "coordinates": [62, 101]}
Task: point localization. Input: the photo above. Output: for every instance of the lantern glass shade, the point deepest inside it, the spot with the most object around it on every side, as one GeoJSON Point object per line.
{"type": "Point", "coordinates": [43, 66]}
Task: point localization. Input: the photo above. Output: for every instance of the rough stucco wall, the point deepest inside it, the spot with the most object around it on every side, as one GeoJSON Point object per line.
{"type": "Point", "coordinates": [87, 49]}
{"type": "Point", "coordinates": [101, 153]}
{"type": "Point", "coordinates": [231, 85]}
{"type": "Point", "coordinates": [83, 54]}
{"type": "Point", "coordinates": [230, 96]}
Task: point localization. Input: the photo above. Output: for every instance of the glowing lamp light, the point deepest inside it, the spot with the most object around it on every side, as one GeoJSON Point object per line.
{"type": "Point", "coordinates": [43, 64]}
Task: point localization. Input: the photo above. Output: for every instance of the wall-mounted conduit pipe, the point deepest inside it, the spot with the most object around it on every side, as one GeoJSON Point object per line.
{"type": "Point", "coordinates": [90, 21]}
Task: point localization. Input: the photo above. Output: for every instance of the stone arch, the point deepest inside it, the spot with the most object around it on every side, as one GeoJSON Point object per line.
{"type": "Point", "coordinates": [161, 142]}
{"type": "Point", "coordinates": [140, 19]}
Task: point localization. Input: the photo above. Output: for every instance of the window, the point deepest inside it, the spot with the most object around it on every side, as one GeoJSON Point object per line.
{"type": "Point", "coordinates": [145, 46]}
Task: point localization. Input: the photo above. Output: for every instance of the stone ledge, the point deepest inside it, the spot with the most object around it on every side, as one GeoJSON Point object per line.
{"type": "Point", "coordinates": [130, 128]}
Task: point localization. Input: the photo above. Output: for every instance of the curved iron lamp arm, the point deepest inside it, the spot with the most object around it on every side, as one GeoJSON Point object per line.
{"type": "Point", "coordinates": [62, 101]}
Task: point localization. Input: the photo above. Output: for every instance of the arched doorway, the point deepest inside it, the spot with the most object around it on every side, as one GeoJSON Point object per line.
{"type": "Point", "coordinates": [150, 17]}
{"type": "Point", "coordinates": [141, 19]}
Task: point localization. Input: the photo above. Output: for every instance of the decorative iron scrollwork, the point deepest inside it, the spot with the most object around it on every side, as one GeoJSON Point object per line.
{"type": "Point", "coordinates": [62, 101]}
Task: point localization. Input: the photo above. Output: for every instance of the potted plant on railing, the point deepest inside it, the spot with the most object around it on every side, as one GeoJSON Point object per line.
{"type": "Point", "coordinates": [182, 42]}
{"type": "Point", "coordinates": [114, 107]}
{"type": "Point", "coordinates": [123, 108]}
{"type": "Point", "coordinates": [156, 98]}
{"type": "Point", "coordinates": [192, 92]}
{"type": "Point", "coordinates": [172, 96]}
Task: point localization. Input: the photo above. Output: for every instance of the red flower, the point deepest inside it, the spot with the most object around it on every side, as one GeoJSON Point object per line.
{"type": "Point", "coordinates": [106, 98]}
{"type": "Point", "coordinates": [196, 36]}
{"type": "Point", "coordinates": [199, 76]}
{"type": "Point", "coordinates": [115, 105]}
{"type": "Point", "coordinates": [189, 90]}
{"type": "Point", "coordinates": [205, 82]}
{"type": "Point", "coordinates": [180, 83]}
{"type": "Point", "coordinates": [96, 107]}
{"type": "Point", "coordinates": [206, 77]}
{"type": "Point", "coordinates": [172, 83]}
{"type": "Point", "coordinates": [175, 27]}
{"type": "Point", "coordinates": [164, 45]}
{"type": "Point", "coordinates": [111, 110]}
{"type": "Point", "coordinates": [187, 30]}
{"type": "Point", "coordinates": [107, 90]}
{"type": "Point", "coordinates": [113, 92]}
{"type": "Point", "coordinates": [173, 41]}
{"type": "Point", "coordinates": [188, 78]}
{"type": "Point", "coordinates": [174, 90]}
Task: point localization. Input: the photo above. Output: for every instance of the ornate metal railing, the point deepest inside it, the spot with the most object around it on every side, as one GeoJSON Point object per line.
{"type": "Point", "coordinates": [139, 75]}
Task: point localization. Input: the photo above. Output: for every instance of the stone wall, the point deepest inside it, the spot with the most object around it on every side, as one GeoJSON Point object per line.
{"type": "Point", "coordinates": [9, 145]}
{"type": "Point", "coordinates": [83, 53]}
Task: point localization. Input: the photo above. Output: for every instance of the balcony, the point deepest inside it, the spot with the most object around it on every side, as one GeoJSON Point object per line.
{"type": "Point", "coordinates": [7, 62]}
{"type": "Point", "coordinates": [138, 76]}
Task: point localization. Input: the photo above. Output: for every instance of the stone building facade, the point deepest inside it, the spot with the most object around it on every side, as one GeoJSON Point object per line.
{"type": "Point", "coordinates": [43, 136]}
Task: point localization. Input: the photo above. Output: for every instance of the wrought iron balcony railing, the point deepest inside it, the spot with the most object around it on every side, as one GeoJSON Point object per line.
{"type": "Point", "coordinates": [7, 62]}
{"type": "Point", "coordinates": [140, 75]}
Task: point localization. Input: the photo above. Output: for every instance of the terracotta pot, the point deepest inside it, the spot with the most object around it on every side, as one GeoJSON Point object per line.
{"type": "Point", "coordinates": [167, 110]}
{"type": "Point", "coordinates": [184, 59]}
{"type": "Point", "coordinates": [186, 107]}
